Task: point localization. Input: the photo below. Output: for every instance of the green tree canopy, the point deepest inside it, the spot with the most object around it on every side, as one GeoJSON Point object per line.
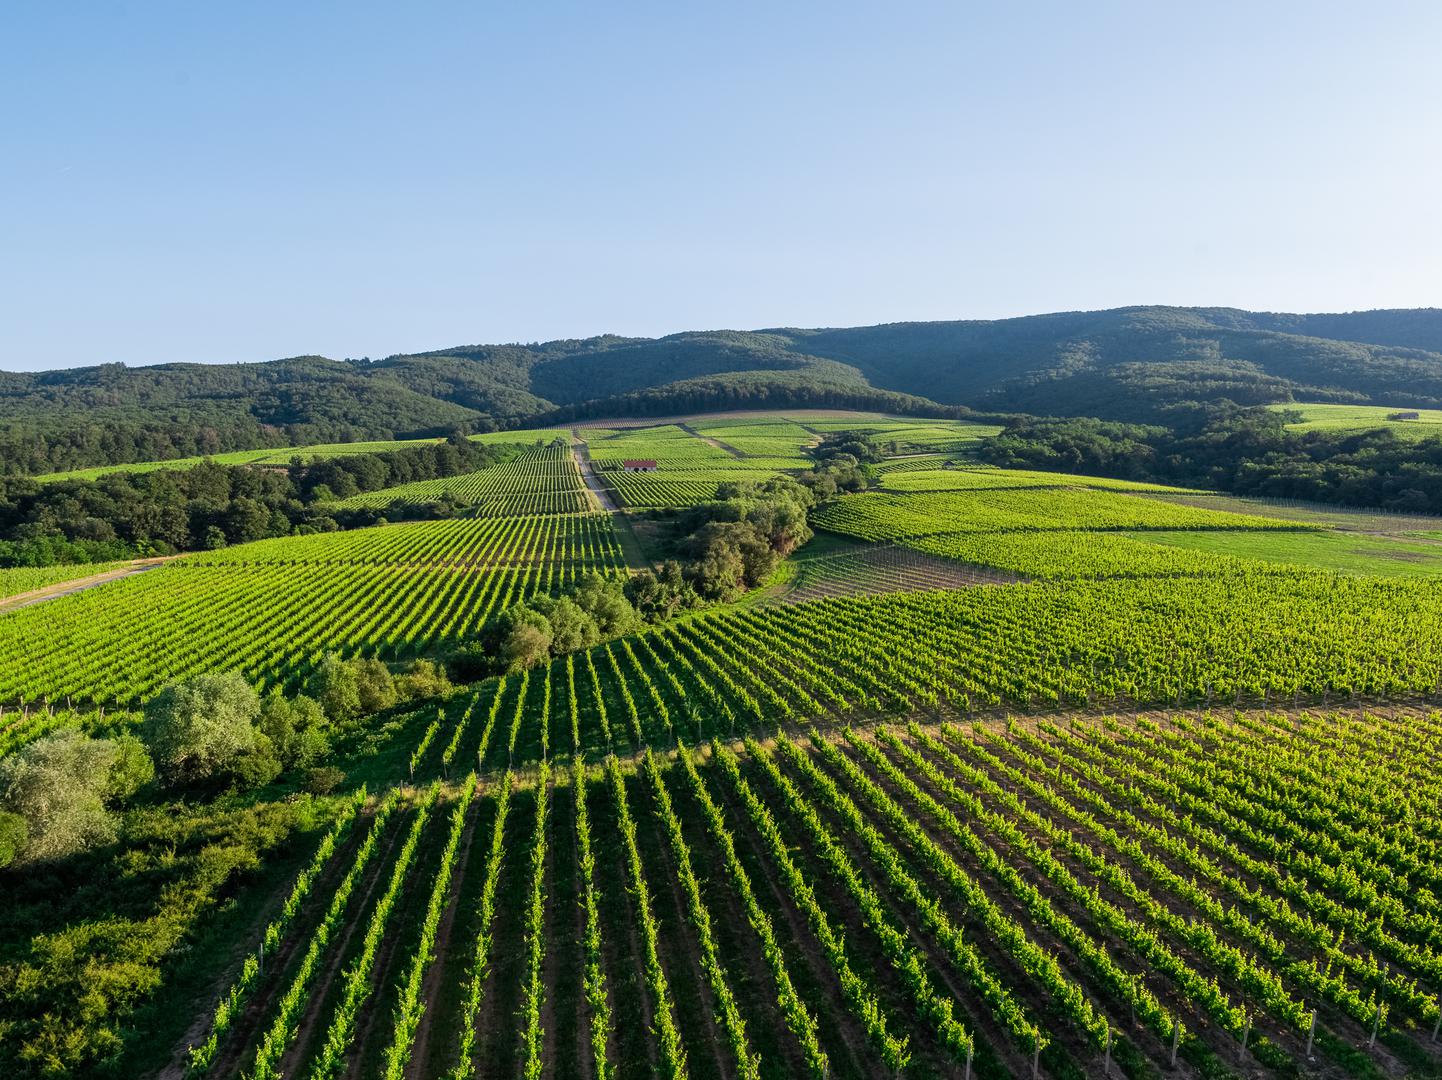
{"type": "Point", "coordinates": [198, 730]}
{"type": "Point", "coordinates": [58, 785]}
{"type": "Point", "coordinates": [336, 686]}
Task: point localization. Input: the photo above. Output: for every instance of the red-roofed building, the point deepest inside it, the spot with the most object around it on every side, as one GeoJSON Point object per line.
{"type": "Point", "coordinates": [639, 465]}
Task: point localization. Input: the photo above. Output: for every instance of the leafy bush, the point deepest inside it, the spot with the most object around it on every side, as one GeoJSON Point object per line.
{"type": "Point", "coordinates": [58, 786]}
{"type": "Point", "coordinates": [13, 833]}
{"type": "Point", "coordinates": [422, 679]}
{"type": "Point", "coordinates": [324, 780]}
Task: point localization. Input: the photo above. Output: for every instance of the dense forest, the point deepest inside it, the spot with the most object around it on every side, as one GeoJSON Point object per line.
{"type": "Point", "coordinates": [1139, 364]}
{"type": "Point", "coordinates": [1247, 451]}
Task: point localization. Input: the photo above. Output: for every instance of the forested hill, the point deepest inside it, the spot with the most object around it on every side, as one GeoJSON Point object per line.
{"type": "Point", "coordinates": [1131, 363]}
{"type": "Point", "coordinates": [1125, 363]}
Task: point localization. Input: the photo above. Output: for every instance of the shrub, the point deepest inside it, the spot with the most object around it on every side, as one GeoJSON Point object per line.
{"type": "Point", "coordinates": [324, 780]}
{"type": "Point", "coordinates": [13, 833]}
{"type": "Point", "coordinates": [374, 684]}
{"type": "Point", "coordinates": [422, 679]}
{"type": "Point", "coordinates": [58, 786]}
{"type": "Point", "coordinates": [132, 770]}
{"type": "Point", "coordinates": [469, 663]}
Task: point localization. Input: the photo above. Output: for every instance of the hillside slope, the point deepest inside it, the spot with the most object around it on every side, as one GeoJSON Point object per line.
{"type": "Point", "coordinates": [1126, 363]}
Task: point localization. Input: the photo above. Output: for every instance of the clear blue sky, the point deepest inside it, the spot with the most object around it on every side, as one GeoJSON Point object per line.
{"type": "Point", "coordinates": [224, 182]}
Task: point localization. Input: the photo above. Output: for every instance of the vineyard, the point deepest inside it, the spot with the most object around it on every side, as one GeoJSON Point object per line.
{"type": "Point", "coordinates": [1033, 775]}
{"type": "Point", "coordinates": [921, 477]}
{"type": "Point", "coordinates": [886, 516]}
{"type": "Point", "coordinates": [759, 438]}
{"type": "Point", "coordinates": [272, 608]}
{"type": "Point", "coordinates": [543, 480]}
{"type": "Point", "coordinates": [1079, 553]}
{"type": "Point", "coordinates": [693, 458]}
{"type": "Point", "coordinates": [882, 568]}
{"type": "Point", "coordinates": [666, 490]}
{"type": "Point", "coordinates": [1227, 636]}
{"type": "Point", "coordinates": [22, 579]}
{"type": "Point", "coordinates": [1223, 894]}
{"type": "Point", "coordinates": [1123, 644]}
{"type": "Point", "coordinates": [648, 490]}
{"type": "Point", "coordinates": [941, 436]}
{"type": "Point", "coordinates": [24, 723]}
{"type": "Point", "coordinates": [671, 446]}
{"type": "Point", "coordinates": [574, 543]}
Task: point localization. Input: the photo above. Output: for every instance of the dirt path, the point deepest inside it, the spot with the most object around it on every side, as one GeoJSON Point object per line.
{"type": "Point", "coordinates": [630, 544]}
{"type": "Point", "coordinates": [599, 491]}
{"type": "Point", "coordinates": [75, 585]}
{"type": "Point", "coordinates": [717, 443]}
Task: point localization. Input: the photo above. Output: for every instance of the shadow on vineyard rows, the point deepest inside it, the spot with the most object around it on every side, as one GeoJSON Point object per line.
{"type": "Point", "coordinates": [1219, 895]}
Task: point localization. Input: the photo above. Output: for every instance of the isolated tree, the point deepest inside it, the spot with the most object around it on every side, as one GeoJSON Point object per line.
{"type": "Point", "coordinates": [198, 730]}
{"type": "Point", "coordinates": [58, 785]}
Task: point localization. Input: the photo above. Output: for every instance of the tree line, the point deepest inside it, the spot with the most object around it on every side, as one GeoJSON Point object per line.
{"type": "Point", "coordinates": [125, 514]}
{"type": "Point", "coordinates": [715, 552]}
{"type": "Point", "coordinates": [1245, 451]}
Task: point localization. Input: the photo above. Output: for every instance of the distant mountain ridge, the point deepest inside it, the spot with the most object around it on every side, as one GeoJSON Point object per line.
{"type": "Point", "coordinates": [1123, 363]}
